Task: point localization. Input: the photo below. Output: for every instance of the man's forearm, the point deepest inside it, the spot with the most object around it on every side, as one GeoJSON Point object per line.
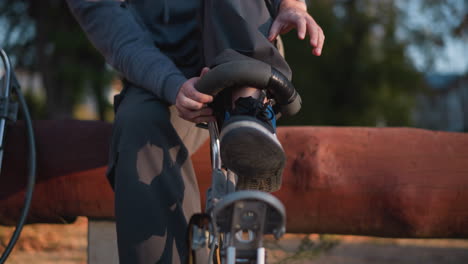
{"type": "Point", "coordinates": [126, 46]}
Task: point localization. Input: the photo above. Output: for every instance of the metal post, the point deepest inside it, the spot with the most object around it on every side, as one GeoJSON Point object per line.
{"type": "Point", "coordinates": [261, 255]}
{"type": "Point", "coordinates": [4, 95]}
{"type": "Point", "coordinates": [215, 150]}
{"type": "Point", "coordinates": [231, 255]}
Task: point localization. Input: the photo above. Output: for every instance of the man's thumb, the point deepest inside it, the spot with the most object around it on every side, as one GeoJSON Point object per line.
{"type": "Point", "coordinates": [204, 71]}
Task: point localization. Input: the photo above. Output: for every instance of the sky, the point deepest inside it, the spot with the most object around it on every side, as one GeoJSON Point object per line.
{"type": "Point", "coordinates": [453, 57]}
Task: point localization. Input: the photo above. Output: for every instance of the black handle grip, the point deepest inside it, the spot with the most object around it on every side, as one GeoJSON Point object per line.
{"type": "Point", "coordinates": [255, 74]}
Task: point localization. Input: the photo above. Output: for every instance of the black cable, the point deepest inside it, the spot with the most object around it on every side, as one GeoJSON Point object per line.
{"type": "Point", "coordinates": [31, 175]}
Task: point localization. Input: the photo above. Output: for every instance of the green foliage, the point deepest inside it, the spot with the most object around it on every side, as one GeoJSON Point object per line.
{"type": "Point", "coordinates": [363, 77]}
{"type": "Point", "coordinates": [43, 36]}
{"type": "Point", "coordinates": [36, 107]}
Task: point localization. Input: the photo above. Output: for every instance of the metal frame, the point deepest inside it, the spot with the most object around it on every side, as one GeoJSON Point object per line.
{"type": "Point", "coordinates": [8, 112]}
{"type": "Point", "coordinates": [227, 203]}
{"type": "Point", "coordinates": [5, 92]}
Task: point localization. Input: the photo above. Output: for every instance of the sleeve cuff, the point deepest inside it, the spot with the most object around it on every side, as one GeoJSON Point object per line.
{"type": "Point", "coordinates": [172, 86]}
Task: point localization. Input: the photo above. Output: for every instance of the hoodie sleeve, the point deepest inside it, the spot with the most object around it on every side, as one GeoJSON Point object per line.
{"type": "Point", "coordinates": [127, 46]}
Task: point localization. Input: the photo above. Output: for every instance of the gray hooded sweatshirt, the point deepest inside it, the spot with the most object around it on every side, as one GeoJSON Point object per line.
{"type": "Point", "coordinates": [154, 44]}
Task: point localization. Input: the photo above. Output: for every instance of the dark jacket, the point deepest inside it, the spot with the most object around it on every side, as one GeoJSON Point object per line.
{"type": "Point", "coordinates": [154, 44]}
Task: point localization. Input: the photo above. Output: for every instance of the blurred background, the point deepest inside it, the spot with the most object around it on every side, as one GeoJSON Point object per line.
{"type": "Point", "coordinates": [385, 63]}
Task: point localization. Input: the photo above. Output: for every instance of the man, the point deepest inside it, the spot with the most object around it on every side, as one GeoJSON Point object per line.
{"type": "Point", "coordinates": [155, 45]}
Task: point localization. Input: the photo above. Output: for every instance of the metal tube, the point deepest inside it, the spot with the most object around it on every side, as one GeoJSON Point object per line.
{"type": "Point", "coordinates": [5, 94]}
{"type": "Point", "coordinates": [261, 255]}
{"type": "Point", "coordinates": [212, 250]}
{"type": "Point", "coordinates": [231, 255]}
{"type": "Point", "coordinates": [7, 80]}
{"type": "Point", "coordinates": [32, 162]}
{"type": "Point", "coordinates": [215, 150]}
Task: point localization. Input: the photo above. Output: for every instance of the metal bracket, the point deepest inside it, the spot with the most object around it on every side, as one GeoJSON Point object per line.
{"type": "Point", "coordinates": [245, 217]}
{"type": "Point", "coordinates": [8, 109]}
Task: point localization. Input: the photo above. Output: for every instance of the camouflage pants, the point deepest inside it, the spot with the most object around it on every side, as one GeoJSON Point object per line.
{"type": "Point", "coordinates": [156, 191]}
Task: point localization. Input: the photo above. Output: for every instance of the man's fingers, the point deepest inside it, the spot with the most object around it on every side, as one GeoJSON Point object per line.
{"type": "Point", "coordinates": [195, 95]}
{"type": "Point", "coordinates": [190, 104]}
{"type": "Point", "coordinates": [301, 28]}
{"type": "Point", "coordinates": [294, 14]}
{"type": "Point", "coordinates": [183, 112]}
{"type": "Point", "coordinates": [286, 28]}
{"type": "Point", "coordinates": [318, 49]}
{"type": "Point", "coordinates": [207, 111]}
{"type": "Point", "coordinates": [204, 71]}
{"type": "Point", "coordinates": [274, 30]}
{"type": "Point", "coordinates": [312, 29]}
{"type": "Point", "coordinates": [197, 116]}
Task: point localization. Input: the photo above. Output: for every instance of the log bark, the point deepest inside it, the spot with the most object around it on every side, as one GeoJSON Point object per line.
{"type": "Point", "coordinates": [392, 182]}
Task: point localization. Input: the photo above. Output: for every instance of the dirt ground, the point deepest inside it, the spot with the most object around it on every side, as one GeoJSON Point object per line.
{"type": "Point", "coordinates": [47, 244]}
{"type": "Point", "coordinates": [67, 244]}
{"type": "Point", "coordinates": [333, 249]}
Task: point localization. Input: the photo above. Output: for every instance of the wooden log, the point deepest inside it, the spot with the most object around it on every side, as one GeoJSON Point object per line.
{"type": "Point", "coordinates": [71, 163]}
{"type": "Point", "coordinates": [393, 182]}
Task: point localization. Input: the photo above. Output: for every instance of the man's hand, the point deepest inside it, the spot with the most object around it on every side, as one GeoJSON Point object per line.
{"type": "Point", "coordinates": [293, 13]}
{"type": "Point", "coordinates": [191, 104]}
